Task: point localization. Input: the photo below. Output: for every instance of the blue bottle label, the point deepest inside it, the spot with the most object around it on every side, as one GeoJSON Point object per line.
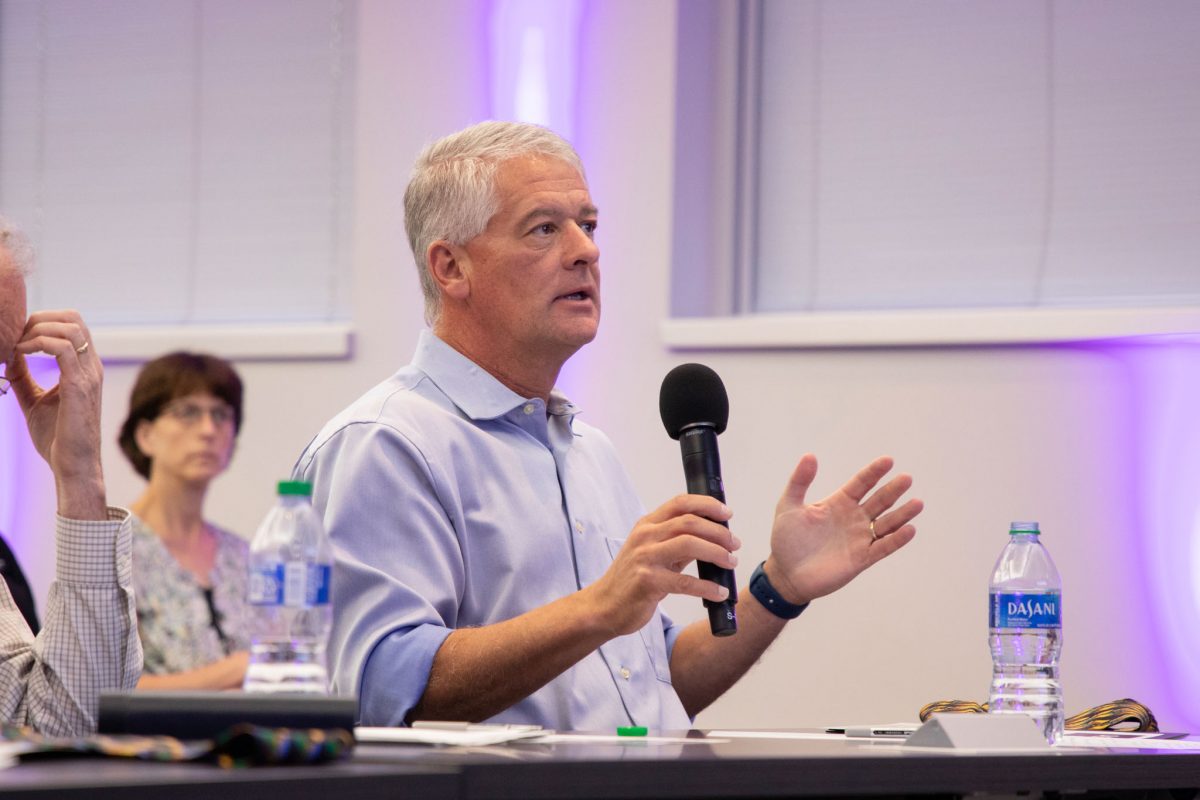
{"type": "Point", "coordinates": [295, 584]}
{"type": "Point", "coordinates": [1021, 610]}
{"type": "Point", "coordinates": [266, 585]}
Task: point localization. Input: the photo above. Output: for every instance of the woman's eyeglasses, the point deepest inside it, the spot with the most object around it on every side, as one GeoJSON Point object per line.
{"type": "Point", "coordinates": [191, 413]}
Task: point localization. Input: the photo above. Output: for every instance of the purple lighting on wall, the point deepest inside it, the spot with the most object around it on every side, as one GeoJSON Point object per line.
{"type": "Point", "coordinates": [535, 62]}
{"type": "Point", "coordinates": [1167, 494]}
{"type": "Point", "coordinates": [27, 499]}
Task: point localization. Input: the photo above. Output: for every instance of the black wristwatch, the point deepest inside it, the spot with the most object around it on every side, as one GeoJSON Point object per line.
{"type": "Point", "coordinates": [772, 600]}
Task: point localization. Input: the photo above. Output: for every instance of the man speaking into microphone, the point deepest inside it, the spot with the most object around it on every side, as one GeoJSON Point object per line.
{"type": "Point", "coordinates": [493, 561]}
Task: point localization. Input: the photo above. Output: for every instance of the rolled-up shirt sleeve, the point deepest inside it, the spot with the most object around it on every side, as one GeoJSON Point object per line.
{"type": "Point", "coordinates": [88, 643]}
{"type": "Point", "coordinates": [397, 672]}
{"type": "Point", "coordinates": [398, 576]}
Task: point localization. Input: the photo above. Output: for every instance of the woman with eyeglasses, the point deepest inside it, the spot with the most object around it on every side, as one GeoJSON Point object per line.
{"type": "Point", "coordinates": [189, 575]}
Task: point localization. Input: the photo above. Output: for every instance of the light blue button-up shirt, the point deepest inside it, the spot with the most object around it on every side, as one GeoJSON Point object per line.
{"type": "Point", "coordinates": [453, 502]}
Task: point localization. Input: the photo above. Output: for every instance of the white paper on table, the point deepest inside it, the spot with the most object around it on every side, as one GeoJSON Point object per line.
{"type": "Point", "coordinates": [467, 736]}
{"type": "Point", "coordinates": [599, 738]}
{"type": "Point", "coordinates": [1134, 742]}
{"type": "Point", "coordinates": [776, 735]}
{"type": "Point", "coordinates": [10, 751]}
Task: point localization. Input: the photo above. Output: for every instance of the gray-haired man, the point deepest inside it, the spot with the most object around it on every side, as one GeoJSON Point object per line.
{"type": "Point", "coordinates": [88, 642]}
{"type": "Point", "coordinates": [493, 560]}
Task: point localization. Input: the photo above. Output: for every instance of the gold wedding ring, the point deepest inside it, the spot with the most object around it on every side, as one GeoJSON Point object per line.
{"type": "Point", "coordinates": [874, 535]}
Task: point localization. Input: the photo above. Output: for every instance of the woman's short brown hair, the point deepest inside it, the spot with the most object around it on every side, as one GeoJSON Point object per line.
{"type": "Point", "coordinates": [167, 378]}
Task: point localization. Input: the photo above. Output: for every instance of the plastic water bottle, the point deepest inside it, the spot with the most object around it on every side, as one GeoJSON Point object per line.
{"type": "Point", "coordinates": [290, 561]}
{"type": "Point", "coordinates": [1026, 631]}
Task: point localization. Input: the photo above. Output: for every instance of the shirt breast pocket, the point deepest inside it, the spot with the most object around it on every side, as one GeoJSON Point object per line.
{"type": "Point", "coordinates": [652, 634]}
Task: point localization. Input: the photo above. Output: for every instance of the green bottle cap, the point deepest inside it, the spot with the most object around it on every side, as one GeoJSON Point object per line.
{"type": "Point", "coordinates": [294, 488]}
{"type": "Point", "coordinates": [632, 730]}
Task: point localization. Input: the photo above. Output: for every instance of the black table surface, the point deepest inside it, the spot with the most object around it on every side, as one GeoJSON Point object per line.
{"type": "Point", "coordinates": [702, 768]}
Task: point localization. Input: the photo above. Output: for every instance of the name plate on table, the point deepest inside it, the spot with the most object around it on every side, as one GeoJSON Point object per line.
{"type": "Point", "coordinates": [979, 732]}
{"type": "Point", "coordinates": [202, 715]}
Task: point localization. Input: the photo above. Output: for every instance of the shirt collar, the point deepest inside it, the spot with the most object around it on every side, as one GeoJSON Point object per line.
{"type": "Point", "coordinates": [472, 388]}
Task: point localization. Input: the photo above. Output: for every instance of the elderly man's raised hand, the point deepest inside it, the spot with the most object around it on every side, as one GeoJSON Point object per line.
{"type": "Point", "coordinates": [816, 548]}
{"type": "Point", "coordinates": [64, 420]}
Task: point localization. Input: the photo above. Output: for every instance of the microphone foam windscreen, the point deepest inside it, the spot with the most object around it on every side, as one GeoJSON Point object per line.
{"type": "Point", "coordinates": [690, 394]}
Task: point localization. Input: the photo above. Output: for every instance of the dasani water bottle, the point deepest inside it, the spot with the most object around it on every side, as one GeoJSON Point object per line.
{"type": "Point", "coordinates": [290, 561]}
{"type": "Point", "coordinates": [1026, 631]}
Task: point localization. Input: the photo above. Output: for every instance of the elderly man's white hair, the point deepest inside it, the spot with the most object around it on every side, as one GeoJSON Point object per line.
{"type": "Point", "coordinates": [17, 245]}
{"type": "Point", "coordinates": [452, 192]}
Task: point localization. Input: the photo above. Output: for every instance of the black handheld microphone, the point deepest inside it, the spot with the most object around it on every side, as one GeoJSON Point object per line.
{"type": "Point", "coordinates": [694, 409]}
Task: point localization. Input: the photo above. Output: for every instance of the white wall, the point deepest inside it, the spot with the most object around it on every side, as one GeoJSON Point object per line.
{"type": "Point", "coordinates": [990, 434]}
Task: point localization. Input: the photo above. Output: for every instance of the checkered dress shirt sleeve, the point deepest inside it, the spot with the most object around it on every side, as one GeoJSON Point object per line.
{"type": "Point", "coordinates": [89, 641]}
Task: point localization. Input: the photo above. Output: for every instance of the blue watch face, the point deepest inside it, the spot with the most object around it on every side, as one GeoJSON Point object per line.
{"type": "Point", "coordinates": [765, 593]}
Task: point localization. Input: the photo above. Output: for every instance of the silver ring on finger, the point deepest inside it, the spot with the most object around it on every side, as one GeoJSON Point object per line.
{"type": "Point", "coordinates": [83, 348]}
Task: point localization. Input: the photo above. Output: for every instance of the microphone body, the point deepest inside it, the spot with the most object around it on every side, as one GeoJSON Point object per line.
{"type": "Point", "coordinates": [702, 470]}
